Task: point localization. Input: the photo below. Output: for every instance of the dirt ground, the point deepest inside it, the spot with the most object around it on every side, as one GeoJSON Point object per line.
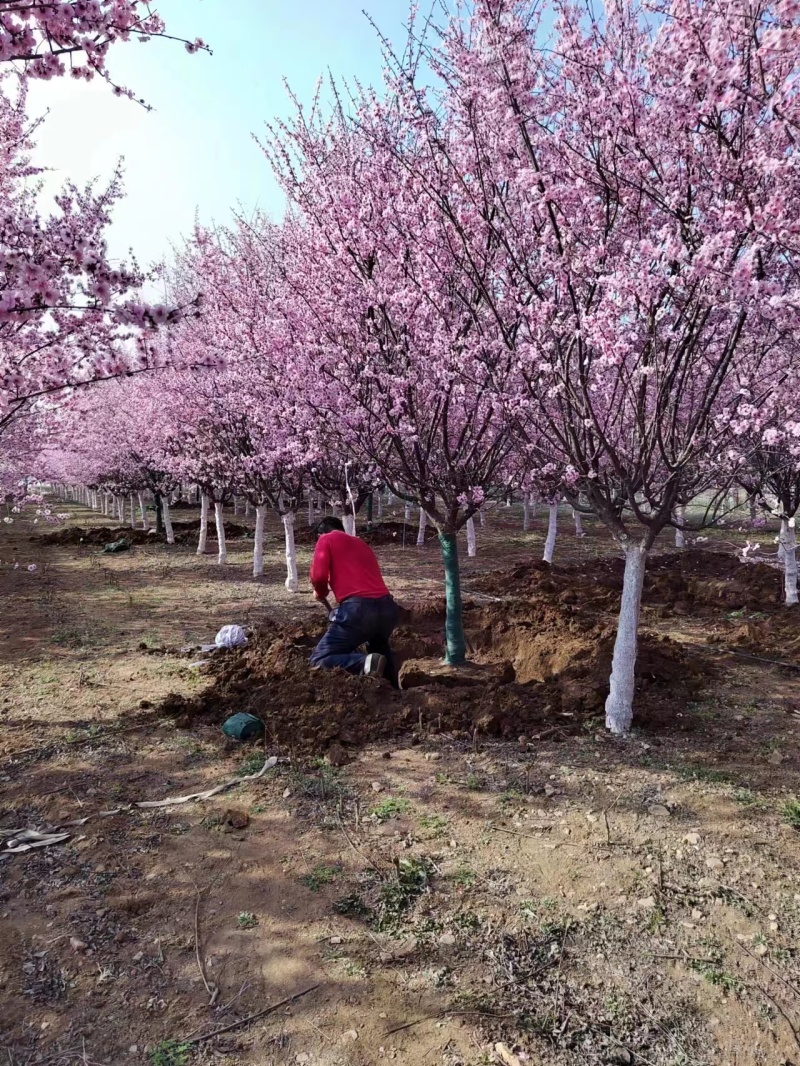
{"type": "Point", "coordinates": [470, 871]}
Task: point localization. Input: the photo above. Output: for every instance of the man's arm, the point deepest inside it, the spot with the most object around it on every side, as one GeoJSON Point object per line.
{"type": "Point", "coordinates": [320, 569]}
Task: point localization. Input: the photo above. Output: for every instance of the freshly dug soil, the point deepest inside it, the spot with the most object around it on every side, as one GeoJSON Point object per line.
{"type": "Point", "coordinates": [185, 532]}
{"type": "Point", "coordinates": [562, 665]}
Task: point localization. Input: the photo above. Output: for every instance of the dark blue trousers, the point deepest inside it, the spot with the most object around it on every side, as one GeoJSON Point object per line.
{"type": "Point", "coordinates": [355, 622]}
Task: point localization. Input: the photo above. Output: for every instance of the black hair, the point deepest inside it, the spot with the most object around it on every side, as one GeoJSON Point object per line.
{"type": "Point", "coordinates": [329, 524]}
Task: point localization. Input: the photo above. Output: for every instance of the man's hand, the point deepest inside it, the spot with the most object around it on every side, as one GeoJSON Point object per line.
{"type": "Point", "coordinates": [324, 601]}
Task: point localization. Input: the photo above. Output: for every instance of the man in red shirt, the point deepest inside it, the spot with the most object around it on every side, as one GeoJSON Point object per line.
{"type": "Point", "coordinates": [366, 612]}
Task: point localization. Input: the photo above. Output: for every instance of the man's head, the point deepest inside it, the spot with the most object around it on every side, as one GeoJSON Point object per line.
{"type": "Point", "coordinates": [329, 524]}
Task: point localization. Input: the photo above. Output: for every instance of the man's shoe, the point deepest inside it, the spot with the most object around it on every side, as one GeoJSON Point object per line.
{"type": "Point", "coordinates": [374, 665]}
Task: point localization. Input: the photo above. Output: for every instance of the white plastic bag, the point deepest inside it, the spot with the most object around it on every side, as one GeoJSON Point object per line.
{"type": "Point", "coordinates": [230, 637]}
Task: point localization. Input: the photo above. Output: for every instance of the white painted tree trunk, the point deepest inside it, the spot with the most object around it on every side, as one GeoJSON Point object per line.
{"type": "Point", "coordinates": [121, 508]}
{"type": "Point", "coordinates": [380, 506]}
{"type": "Point", "coordinates": [167, 521]}
{"type": "Point", "coordinates": [472, 546]}
{"type": "Point", "coordinates": [680, 534]}
{"type": "Point", "coordinates": [258, 541]}
{"type": "Point", "coordinates": [248, 508]}
{"type": "Point", "coordinates": [423, 522]}
{"type": "Point", "coordinates": [235, 505]}
{"type": "Point", "coordinates": [310, 510]}
{"type": "Point", "coordinates": [203, 539]}
{"type": "Point", "coordinates": [132, 503]}
{"type": "Point", "coordinates": [222, 554]}
{"type": "Point", "coordinates": [552, 529]}
{"type": "Point", "coordinates": [291, 583]}
{"type": "Point", "coordinates": [143, 512]}
{"type": "Point", "coordinates": [407, 513]}
{"type": "Point", "coordinates": [619, 705]}
{"type": "Point", "coordinates": [482, 515]}
{"type": "Point", "coordinates": [789, 539]}
{"type": "Point", "coordinates": [578, 517]}
{"type": "Point", "coordinates": [526, 512]}
{"type": "Point", "coordinates": [349, 523]}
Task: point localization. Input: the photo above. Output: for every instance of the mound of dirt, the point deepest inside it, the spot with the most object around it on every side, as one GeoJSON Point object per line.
{"type": "Point", "coordinates": [185, 532]}
{"type": "Point", "coordinates": [562, 666]}
{"type": "Point", "coordinates": [675, 583]}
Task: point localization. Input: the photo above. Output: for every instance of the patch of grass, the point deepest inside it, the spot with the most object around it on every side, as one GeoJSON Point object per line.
{"type": "Point", "coordinates": [791, 813]}
{"type": "Point", "coordinates": [246, 920]}
{"type": "Point", "coordinates": [747, 798]}
{"type": "Point", "coordinates": [442, 777]}
{"type": "Point", "coordinates": [475, 782]}
{"type": "Point", "coordinates": [412, 877]}
{"type": "Point", "coordinates": [353, 906]}
{"type": "Point", "coordinates": [318, 877]}
{"type": "Point", "coordinates": [705, 774]}
{"type": "Point", "coordinates": [435, 823]}
{"type": "Point", "coordinates": [251, 764]}
{"type": "Point", "coordinates": [170, 1053]}
{"type": "Point", "coordinates": [325, 784]}
{"type": "Point", "coordinates": [512, 797]}
{"type": "Point", "coordinates": [464, 877]}
{"type": "Point", "coordinates": [717, 976]}
{"type": "Point", "coordinates": [259, 808]}
{"type": "Point", "coordinates": [391, 807]}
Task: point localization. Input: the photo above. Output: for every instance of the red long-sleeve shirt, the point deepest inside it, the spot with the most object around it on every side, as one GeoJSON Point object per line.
{"type": "Point", "coordinates": [347, 566]}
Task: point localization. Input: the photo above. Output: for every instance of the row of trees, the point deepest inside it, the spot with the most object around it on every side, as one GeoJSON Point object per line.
{"type": "Point", "coordinates": [559, 251]}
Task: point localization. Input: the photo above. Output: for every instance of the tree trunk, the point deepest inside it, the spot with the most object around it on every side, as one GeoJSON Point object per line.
{"type": "Point", "coordinates": [235, 505]}
{"type": "Point", "coordinates": [680, 534]}
{"type": "Point", "coordinates": [167, 521]}
{"type": "Point", "coordinates": [349, 523]}
{"type": "Point", "coordinates": [472, 546]}
{"type": "Point", "coordinates": [248, 508]}
{"type": "Point", "coordinates": [526, 512]}
{"type": "Point", "coordinates": [380, 505]}
{"type": "Point", "coordinates": [258, 541]}
{"type": "Point", "coordinates": [222, 553]}
{"type": "Point", "coordinates": [789, 561]}
{"type": "Point", "coordinates": [143, 511]}
{"type": "Point", "coordinates": [310, 510]}
{"type": "Point", "coordinates": [369, 510]}
{"type": "Point", "coordinates": [133, 511]}
{"type": "Point", "coordinates": [455, 642]}
{"type": "Point", "coordinates": [552, 529]}
{"type": "Point", "coordinates": [619, 705]}
{"type": "Point", "coordinates": [407, 513]}
{"type": "Point", "coordinates": [753, 509]}
{"type": "Point", "coordinates": [482, 515]}
{"type": "Point", "coordinates": [578, 517]}
{"type": "Point", "coordinates": [159, 512]}
{"type": "Point", "coordinates": [423, 522]}
{"type": "Point", "coordinates": [203, 539]}
{"type": "Point", "coordinates": [121, 508]}
{"type": "Point", "coordinates": [291, 555]}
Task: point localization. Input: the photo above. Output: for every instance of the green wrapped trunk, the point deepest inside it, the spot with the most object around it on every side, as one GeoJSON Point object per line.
{"type": "Point", "coordinates": [455, 643]}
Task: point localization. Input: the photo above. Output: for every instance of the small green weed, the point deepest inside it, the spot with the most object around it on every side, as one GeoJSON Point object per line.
{"type": "Point", "coordinates": [412, 877]}
{"type": "Point", "coordinates": [259, 808]}
{"type": "Point", "coordinates": [464, 877]}
{"type": "Point", "coordinates": [246, 920]}
{"type": "Point", "coordinates": [715, 975]}
{"type": "Point", "coordinates": [791, 812]}
{"type": "Point", "coordinates": [353, 906]}
{"type": "Point", "coordinates": [391, 807]}
{"type": "Point", "coordinates": [435, 823]}
{"type": "Point", "coordinates": [511, 798]}
{"type": "Point", "coordinates": [747, 798]}
{"type": "Point", "coordinates": [321, 875]}
{"type": "Point", "coordinates": [325, 784]}
{"type": "Point", "coordinates": [170, 1053]}
{"type": "Point", "coordinates": [475, 783]}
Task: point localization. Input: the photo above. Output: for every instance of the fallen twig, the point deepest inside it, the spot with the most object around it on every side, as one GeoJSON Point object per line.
{"type": "Point", "coordinates": [249, 1018]}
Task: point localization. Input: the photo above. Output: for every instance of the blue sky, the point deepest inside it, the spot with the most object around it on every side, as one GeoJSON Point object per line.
{"type": "Point", "coordinates": [195, 150]}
